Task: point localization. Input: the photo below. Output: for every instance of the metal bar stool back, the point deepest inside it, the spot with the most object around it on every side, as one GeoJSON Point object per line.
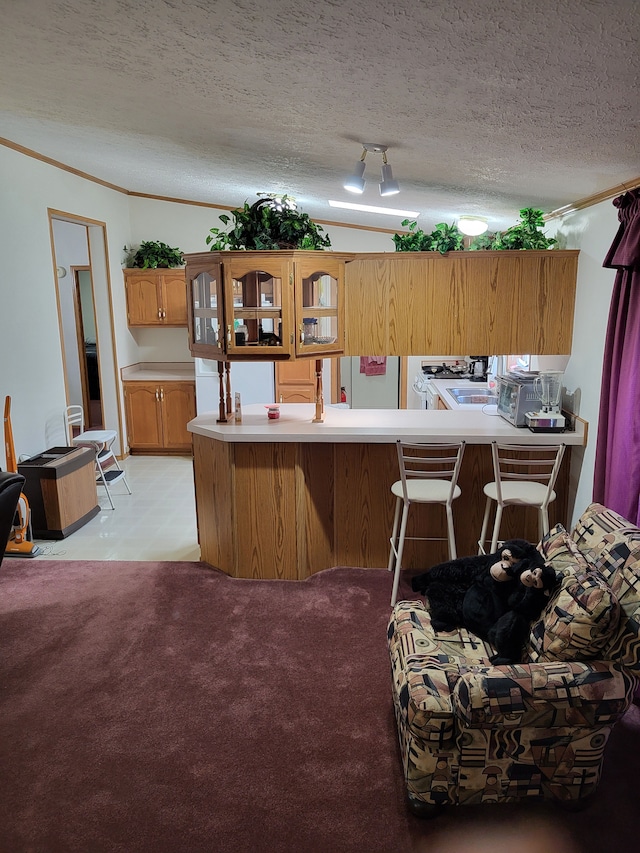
{"type": "Point", "coordinates": [428, 474]}
{"type": "Point", "coordinates": [524, 476]}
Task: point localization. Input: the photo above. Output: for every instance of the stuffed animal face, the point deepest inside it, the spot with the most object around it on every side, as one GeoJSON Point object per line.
{"type": "Point", "coordinates": [532, 578]}
{"type": "Point", "coordinates": [539, 577]}
{"type": "Point", "coordinates": [515, 550]}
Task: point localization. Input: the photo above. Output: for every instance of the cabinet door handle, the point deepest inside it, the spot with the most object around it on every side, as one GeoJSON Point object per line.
{"type": "Point", "coordinates": [164, 314]}
{"type": "Point", "coordinates": [161, 394]}
{"type": "Point", "coordinates": [159, 313]}
{"type": "Point", "coordinates": [157, 396]}
{"type": "Point", "coordinates": [301, 334]}
{"type": "Point", "coordinates": [229, 334]}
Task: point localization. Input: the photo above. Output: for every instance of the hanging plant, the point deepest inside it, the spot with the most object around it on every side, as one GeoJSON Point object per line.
{"type": "Point", "coordinates": [444, 238]}
{"type": "Point", "coordinates": [152, 255]}
{"type": "Point", "coordinates": [272, 222]}
{"type": "Point", "coordinates": [527, 234]}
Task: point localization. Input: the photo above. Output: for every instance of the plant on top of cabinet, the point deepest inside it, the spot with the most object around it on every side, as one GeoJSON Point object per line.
{"type": "Point", "coordinates": [527, 234]}
{"type": "Point", "coordinates": [444, 238]}
{"type": "Point", "coordinates": [151, 255]}
{"type": "Point", "coordinates": [272, 222]}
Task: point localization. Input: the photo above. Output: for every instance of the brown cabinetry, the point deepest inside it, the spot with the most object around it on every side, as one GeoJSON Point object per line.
{"type": "Point", "coordinates": [418, 303]}
{"type": "Point", "coordinates": [157, 415]}
{"type": "Point", "coordinates": [265, 305]}
{"type": "Point", "coordinates": [156, 297]}
{"type": "Point", "coordinates": [296, 381]}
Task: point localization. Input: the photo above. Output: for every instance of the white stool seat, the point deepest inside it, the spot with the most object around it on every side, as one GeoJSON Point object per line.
{"type": "Point", "coordinates": [523, 494]}
{"type": "Point", "coordinates": [95, 436]}
{"type": "Point", "coordinates": [426, 491]}
{"type": "Point", "coordinates": [429, 475]}
{"type": "Point", "coordinates": [524, 476]}
{"type": "Point", "coordinates": [102, 441]}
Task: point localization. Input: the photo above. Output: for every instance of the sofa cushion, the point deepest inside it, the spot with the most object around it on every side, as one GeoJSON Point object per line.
{"type": "Point", "coordinates": [583, 614]}
{"type": "Point", "coordinates": [611, 545]}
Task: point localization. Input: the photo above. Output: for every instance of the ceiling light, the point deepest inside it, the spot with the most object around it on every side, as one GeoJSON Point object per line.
{"type": "Point", "coordinates": [472, 225]}
{"type": "Point", "coordinates": [387, 185]}
{"type": "Point", "coordinates": [368, 208]}
{"type": "Point", "coordinates": [355, 183]}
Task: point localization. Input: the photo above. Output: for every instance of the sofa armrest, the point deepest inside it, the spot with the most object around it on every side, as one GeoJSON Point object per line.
{"type": "Point", "coordinates": [542, 695]}
{"type": "Point", "coordinates": [421, 677]}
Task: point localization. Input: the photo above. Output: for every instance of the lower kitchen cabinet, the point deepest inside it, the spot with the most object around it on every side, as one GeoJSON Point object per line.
{"type": "Point", "coordinates": [157, 415]}
{"type": "Point", "coordinates": [296, 381]}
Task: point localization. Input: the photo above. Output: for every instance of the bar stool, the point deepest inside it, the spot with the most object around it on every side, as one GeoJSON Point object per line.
{"type": "Point", "coordinates": [102, 441]}
{"type": "Point", "coordinates": [429, 475]}
{"type": "Point", "coordinates": [524, 476]}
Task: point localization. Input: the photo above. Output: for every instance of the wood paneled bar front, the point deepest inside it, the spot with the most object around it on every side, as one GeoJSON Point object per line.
{"type": "Point", "coordinates": [287, 498]}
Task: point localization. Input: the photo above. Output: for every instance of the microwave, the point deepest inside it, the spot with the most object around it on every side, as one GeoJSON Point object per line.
{"type": "Point", "coordinates": [516, 397]}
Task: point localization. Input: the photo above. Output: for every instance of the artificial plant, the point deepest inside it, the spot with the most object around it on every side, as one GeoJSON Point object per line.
{"type": "Point", "coordinates": [269, 223]}
{"type": "Point", "coordinates": [444, 238]}
{"type": "Point", "coordinates": [152, 255]}
{"type": "Point", "coordinates": [527, 234]}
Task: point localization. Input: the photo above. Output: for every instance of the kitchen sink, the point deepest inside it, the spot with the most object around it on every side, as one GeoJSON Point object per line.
{"type": "Point", "coordinates": [472, 396]}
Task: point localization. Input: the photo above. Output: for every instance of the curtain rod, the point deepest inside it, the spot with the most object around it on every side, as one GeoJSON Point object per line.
{"type": "Point", "coordinates": [612, 192]}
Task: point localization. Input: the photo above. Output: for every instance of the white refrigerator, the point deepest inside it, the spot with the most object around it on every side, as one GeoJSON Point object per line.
{"type": "Point", "coordinates": [254, 381]}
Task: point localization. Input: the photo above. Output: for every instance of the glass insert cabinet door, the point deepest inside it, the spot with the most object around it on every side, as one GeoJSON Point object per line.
{"type": "Point", "coordinates": [319, 306]}
{"type": "Point", "coordinates": [206, 326]}
{"type": "Point", "coordinates": [258, 297]}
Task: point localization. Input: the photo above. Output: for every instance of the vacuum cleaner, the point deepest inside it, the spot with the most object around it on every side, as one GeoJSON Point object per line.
{"type": "Point", "coordinates": [20, 542]}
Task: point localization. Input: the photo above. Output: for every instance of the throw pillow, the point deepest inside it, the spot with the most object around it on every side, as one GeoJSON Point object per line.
{"type": "Point", "coordinates": [582, 617]}
{"type": "Point", "coordinates": [552, 540]}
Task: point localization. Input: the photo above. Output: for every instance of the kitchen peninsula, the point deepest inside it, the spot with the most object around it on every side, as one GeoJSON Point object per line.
{"type": "Point", "coordinates": [287, 498]}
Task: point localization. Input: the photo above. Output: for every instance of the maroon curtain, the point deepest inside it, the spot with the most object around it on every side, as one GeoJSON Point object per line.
{"type": "Point", "coordinates": [617, 463]}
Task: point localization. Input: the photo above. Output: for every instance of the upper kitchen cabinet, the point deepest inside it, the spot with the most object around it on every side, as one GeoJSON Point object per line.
{"type": "Point", "coordinates": [408, 303]}
{"type": "Point", "coordinates": [204, 306]}
{"type": "Point", "coordinates": [155, 297]}
{"type": "Point", "coordinates": [272, 305]}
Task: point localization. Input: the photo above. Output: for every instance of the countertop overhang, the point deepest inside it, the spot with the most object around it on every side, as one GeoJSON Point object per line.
{"type": "Point", "coordinates": [159, 371]}
{"type": "Point", "coordinates": [374, 426]}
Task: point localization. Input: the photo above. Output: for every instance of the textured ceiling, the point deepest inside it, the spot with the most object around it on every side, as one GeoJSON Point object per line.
{"type": "Point", "coordinates": [487, 106]}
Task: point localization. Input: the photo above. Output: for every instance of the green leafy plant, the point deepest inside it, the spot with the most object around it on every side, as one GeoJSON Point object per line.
{"type": "Point", "coordinates": [269, 223]}
{"type": "Point", "coordinates": [444, 238]}
{"type": "Point", "coordinates": [527, 234]}
{"type": "Point", "coordinates": [152, 255]}
{"type": "Point", "coordinates": [447, 238]}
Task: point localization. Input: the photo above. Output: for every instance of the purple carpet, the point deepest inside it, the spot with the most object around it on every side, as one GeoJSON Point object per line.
{"type": "Point", "coordinates": [165, 707]}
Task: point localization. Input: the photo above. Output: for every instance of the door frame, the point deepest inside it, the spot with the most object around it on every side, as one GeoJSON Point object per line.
{"type": "Point", "coordinates": [110, 385]}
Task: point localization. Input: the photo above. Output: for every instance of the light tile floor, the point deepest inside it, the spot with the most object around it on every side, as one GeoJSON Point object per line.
{"type": "Point", "coordinates": [156, 522]}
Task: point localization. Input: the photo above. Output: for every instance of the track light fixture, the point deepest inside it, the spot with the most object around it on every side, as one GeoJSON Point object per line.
{"type": "Point", "coordinates": [355, 183]}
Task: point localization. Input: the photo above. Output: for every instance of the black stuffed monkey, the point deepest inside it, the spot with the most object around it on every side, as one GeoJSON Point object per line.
{"type": "Point", "coordinates": [446, 584]}
{"type": "Point", "coordinates": [510, 631]}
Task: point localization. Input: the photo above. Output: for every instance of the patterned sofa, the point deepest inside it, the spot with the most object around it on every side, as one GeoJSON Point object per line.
{"type": "Point", "coordinates": [471, 732]}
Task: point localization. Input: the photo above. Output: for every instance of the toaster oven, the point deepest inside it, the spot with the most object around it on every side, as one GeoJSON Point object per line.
{"type": "Point", "coordinates": [516, 397]}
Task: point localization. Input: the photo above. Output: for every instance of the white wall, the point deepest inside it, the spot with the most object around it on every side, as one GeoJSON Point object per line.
{"type": "Point", "coordinates": [592, 231]}
{"type": "Point", "coordinates": [31, 369]}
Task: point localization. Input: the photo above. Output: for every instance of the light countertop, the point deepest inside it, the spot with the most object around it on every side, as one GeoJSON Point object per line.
{"type": "Point", "coordinates": [159, 371]}
{"type": "Point", "coordinates": [374, 426]}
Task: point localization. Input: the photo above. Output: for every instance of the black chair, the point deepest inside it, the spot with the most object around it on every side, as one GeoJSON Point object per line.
{"type": "Point", "coordinates": [10, 488]}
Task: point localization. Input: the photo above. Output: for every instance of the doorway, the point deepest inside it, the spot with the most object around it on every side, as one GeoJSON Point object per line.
{"type": "Point", "coordinates": [87, 335]}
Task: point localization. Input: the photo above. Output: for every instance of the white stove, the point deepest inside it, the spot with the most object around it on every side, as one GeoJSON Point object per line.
{"type": "Point", "coordinates": [422, 384]}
